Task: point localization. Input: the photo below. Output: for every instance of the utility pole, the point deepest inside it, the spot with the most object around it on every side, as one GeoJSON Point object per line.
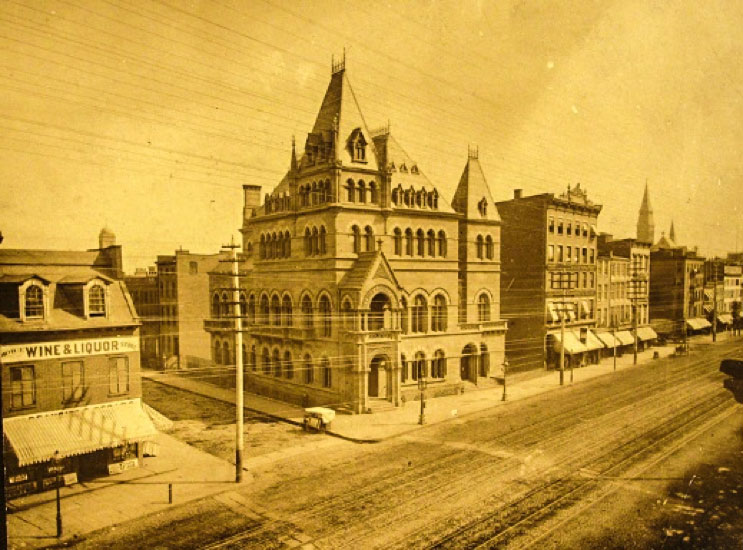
{"type": "Point", "coordinates": [238, 343]}
{"type": "Point", "coordinates": [614, 336]}
{"type": "Point", "coordinates": [562, 331]}
{"type": "Point", "coordinates": [634, 284]}
{"type": "Point", "coordinates": [505, 370]}
{"type": "Point", "coordinates": [714, 301]}
{"type": "Point", "coordinates": [57, 468]}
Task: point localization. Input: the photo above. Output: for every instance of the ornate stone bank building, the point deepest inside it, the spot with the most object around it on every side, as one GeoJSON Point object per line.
{"type": "Point", "coordinates": [358, 278]}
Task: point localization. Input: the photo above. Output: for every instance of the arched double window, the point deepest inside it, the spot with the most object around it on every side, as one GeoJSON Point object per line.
{"type": "Point", "coordinates": [306, 311]}
{"type": "Point", "coordinates": [356, 239]}
{"type": "Point", "coordinates": [479, 247]}
{"type": "Point", "coordinates": [224, 307]}
{"type": "Point", "coordinates": [362, 191]}
{"type": "Point", "coordinates": [489, 247]}
{"type": "Point", "coordinates": [326, 315]}
{"type": "Point", "coordinates": [419, 314]}
{"type": "Point", "coordinates": [215, 305]}
{"type": "Point", "coordinates": [323, 241]}
{"type": "Point", "coordinates": [315, 241]}
{"type": "Point", "coordinates": [438, 364]}
{"type": "Point", "coordinates": [96, 301]}
{"type": "Point", "coordinates": [286, 310]}
{"type": "Point", "coordinates": [483, 308]}
{"type": "Point", "coordinates": [373, 195]}
{"type": "Point", "coordinates": [438, 314]}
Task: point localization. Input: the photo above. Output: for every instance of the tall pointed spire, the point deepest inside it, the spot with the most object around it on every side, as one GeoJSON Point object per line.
{"type": "Point", "coordinates": [472, 197]}
{"type": "Point", "coordinates": [672, 233]}
{"type": "Point", "coordinates": [294, 163]}
{"type": "Point", "coordinates": [645, 224]}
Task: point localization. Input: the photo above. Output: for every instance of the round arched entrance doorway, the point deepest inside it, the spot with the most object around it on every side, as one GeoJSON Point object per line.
{"type": "Point", "coordinates": [378, 376]}
{"type": "Point", "coordinates": [468, 363]}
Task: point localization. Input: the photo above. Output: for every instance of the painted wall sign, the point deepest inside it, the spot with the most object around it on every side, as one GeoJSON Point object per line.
{"type": "Point", "coordinates": [16, 353]}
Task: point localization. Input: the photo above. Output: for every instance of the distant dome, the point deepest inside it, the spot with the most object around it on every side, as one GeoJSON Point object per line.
{"type": "Point", "coordinates": [106, 238]}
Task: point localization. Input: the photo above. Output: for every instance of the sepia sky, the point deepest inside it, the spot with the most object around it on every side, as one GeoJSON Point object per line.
{"type": "Point", "coordinates": [148, 116]}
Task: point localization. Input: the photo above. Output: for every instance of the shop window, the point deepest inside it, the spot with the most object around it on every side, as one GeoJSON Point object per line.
{"type": "Point", "coordinates": [72, 381]}
{"type": "Point", "coordinates": [118, 375]}
{"type": "Point", "coordinates": [22, 387]}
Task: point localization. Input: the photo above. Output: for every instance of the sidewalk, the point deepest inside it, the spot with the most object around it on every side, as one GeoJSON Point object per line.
{"type": "Point", "coordinates": [86, 507]}
{"type": "Point", "coordinates": [372, 428]}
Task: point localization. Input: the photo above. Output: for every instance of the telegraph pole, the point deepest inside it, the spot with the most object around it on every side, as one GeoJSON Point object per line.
{"type": "Point", "coordinates": [562, 333]}
{"type": "Point", "coordinates": [238, 343]}
{"type": "Point", "coordinates": [714, 302]}
{"type": "Point", "coordinates": [505, 371]}
{"type": "Point", "coordinates": [614, 336]}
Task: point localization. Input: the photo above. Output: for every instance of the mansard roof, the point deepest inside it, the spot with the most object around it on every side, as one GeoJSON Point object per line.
{"type": "Point", "coordinates": [472, 197]}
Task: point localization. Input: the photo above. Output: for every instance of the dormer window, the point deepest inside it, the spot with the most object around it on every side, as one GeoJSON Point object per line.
{"type": "Point", "coordinates": [34, 302]}
{"type": "Point", "coordinates": [482, 206]}
{"type": "Point", "coordinates": [96, 301]}
{"type": "Point", "coordinates": [357, 145]}
{"type": "Point", "coordinates": [414, 169]}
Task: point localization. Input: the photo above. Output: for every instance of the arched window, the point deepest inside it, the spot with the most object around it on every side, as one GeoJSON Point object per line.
{"type": "Point", "coordinates": [362, 191]}
{"type": "Point", "coordinates": [323, 240]}
{"type": "Point", "coordinates": [479, 245]}
{"type": "Point", "coordinates": [489, 248]}
{"type": "Point", "coordinates": [347, 314]}
{"type": "Point", "coordinates": [225, 305]}
{"type": "Point", "coordinates": [326, 315]}
{"type": "Point", "coordinates": [404, 315]}
{"type": "Point", "coordinates": [253, 358]}
{"type": "Point", "coordinates": [275, 311]}
{"type": "Point", "coordinates": [251, 309]}
{"type": "Point", "coordinates": [484, 360]}
{"type": "Point", "coordinates": [288, 365]}
{"type": "Point", "coordinates": [279, 245]}
{"type": "Point", "coordinates": [227, 354]}
{"type": "Point", "coordinates": [351, 188]}
{"type": "Point", "coordinates": [483, 308]}
{"type": "Point", "coordinates": [328, 195]}
{"type": "Point", "coordinates": [314, 193]}
{"type": "Point", "coordinates": [276, 363]}
{"type": "Point", "coordinates": [431, 241]}
{"type": "Point", "coordinates": [438, 314]}
{"type": "Point", "coordinates": [263, 311]}
{"type": "Point", "coordinates": [369, 238]}
{"type": "Point", "coordinates": [314, 244]}
{"type": "Point", "coordinates": [272, 246]}
{"type": "Point", "coordinates": [217, 352]}
{"type": "Point", "coordinates": [441, 244]}
{"type": "Point", "coordinates": [96, 301]}
{"type": "Point", "coordinates": [287, 245]}
{"type": "Point", "coordinates": [307, 242]}
{"type": "Point", "coordinates": [421, 241]}
{"type": "Point", "coordinates": [286, 310]}
{"type": "Point", "coordinates": [356, 238]}
{"type": "Point", "coordinates": [306, 311]}
{"type": "Point", "coordinates": [409, 241]}
{"type": "Point", "coordinates": [438, 365]}
{"type": "Point", "coordinates": [327, 375]}
{"type": "Point", "coordinates": [419, 314]}
{"type": "Point", "coordinates": [398, 241]}
{"type": "Point", "coordinates": [309, 370]}
{"type": "Point", "coordinates": [373, 195]}
{"type": "Point", "coordinates": [215, 305]}
{"type": "Point", "coordinates": [265, 361]}
{"type": "Point", "coordinates": [419, 366]}
{"type": "Point", "coordinates": [262, 248]}
{"type": "Point", "coordinates": [302, 196]}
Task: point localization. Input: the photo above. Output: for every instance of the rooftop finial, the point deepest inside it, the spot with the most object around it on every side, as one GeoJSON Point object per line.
{"type": "Point", "coordinates": [473, 151]}
{"type": "Point", "coordinates": [339, 66]}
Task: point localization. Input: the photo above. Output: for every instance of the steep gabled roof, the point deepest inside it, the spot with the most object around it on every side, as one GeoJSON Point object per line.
{"type": "Point", "coordinates": [368, 267]}
{"type": "Point", "coordinates": [472, 191]}
{"type": "Point", "coordinates": [340, 110]}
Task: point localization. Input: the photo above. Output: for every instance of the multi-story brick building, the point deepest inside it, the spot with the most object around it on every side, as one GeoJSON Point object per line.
{"type": "Point", "coordinates": [69, 353]}
{"type": "Point", "coordinates": [183, 302]}
{"type": "Point", "coordinates": [359, 278]}
{"type": "Point", "coordinates": [549, 276]}
{"type": "Point", "coordinates": [143, 289]}
{"type": "Point", "coordinates": [676, 290]}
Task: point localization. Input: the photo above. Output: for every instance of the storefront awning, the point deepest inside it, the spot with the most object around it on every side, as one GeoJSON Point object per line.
{"type": "Point", "coordinates": [698, 323]}
{"type": "Point", "coordinates": [573, 344]}
{"type": "Point", "coordinates": [725, 318]}
{"type": "Point", "coordinates": [646, 333]}
{"type": "Point", "coordinates": [592, 341]}
{"type": "Point", "coordinates": [35, 438]}
{"type": "Point", "coordinates": [608, 340]}
{"type": "Point", "coordinates": [704, 323]}
{"type": "Point", "coordinates": [553, 314]}
{"type": "Point", "coordinates": [624, 337]}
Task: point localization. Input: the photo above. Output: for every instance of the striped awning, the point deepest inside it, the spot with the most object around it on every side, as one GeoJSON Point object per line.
{"type": "Point", "coordinates": [646, 333]}
{"type": "Point", "coordinates": [624, 337]}
{"type": "Point", "coordinates": [573, 344]}
{"type": "Point", "coordinates": [698, 323]}
{"type": "Point", "coordinates": [35, 438]}
{"type": "Point", "coordinates": [608, 340]}
{"type": "Point", "coordinates": [592, 341]}
{"type": "Point", "coordinates": [725, 318]}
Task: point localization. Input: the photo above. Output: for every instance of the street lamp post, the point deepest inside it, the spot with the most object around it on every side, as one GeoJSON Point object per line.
{"type": "Point", "coordinates": [57, 467]}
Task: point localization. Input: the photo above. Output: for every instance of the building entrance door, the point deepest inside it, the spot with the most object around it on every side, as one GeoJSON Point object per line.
{"type": "Point", "coordinates": [468, 363]}
{"type": "Point", "coordinates": [378, 377]}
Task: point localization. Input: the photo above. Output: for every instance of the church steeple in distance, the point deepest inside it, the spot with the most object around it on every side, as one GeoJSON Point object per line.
{"type": "Point", "coordinates": [645, 224]}
{"type": "Point", "coordinates": [672, 233]}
